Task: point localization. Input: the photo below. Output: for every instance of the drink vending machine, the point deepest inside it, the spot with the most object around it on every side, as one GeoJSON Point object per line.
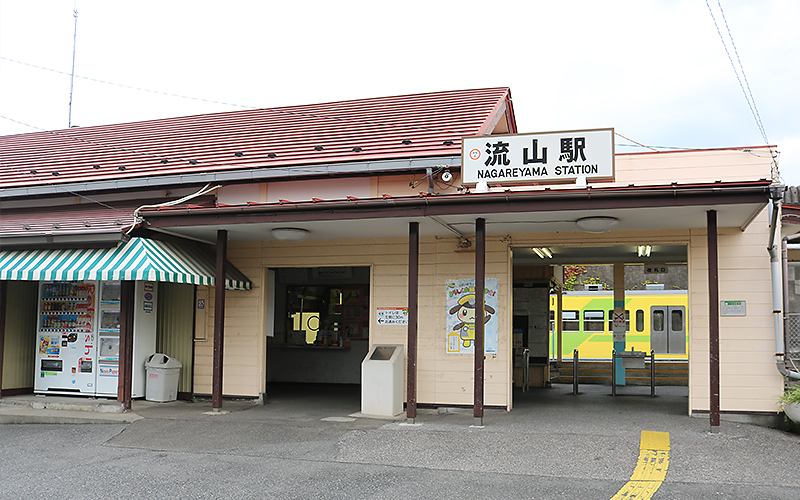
{"type": "Point", "coordinates": [78, 337]}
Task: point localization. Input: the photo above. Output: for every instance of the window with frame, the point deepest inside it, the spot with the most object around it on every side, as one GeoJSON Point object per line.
{"type": "Point", "coordinates": [594, 321]}
{"type": "Point", "coordinates": [570, 321]}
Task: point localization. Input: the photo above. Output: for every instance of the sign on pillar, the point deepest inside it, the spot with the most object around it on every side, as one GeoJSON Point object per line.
{"type": "Point", "coordinates": [619, 325]}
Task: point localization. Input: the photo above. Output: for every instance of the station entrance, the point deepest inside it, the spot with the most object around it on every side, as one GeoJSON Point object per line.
{"type": "Point", "coordinates": [318, 332]}
{"type": "Point", "coordinates": [564, 305]}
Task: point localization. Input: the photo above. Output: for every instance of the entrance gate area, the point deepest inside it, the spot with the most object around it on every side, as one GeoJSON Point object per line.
{"type": "Point", "coordinates": [548, 328]}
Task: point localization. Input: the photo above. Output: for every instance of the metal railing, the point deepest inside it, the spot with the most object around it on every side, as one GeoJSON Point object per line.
{"type": "Point", "coordinates": [575, 372]}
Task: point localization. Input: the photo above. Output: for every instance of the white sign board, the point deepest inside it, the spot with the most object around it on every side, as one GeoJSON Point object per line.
{"type": "Point", "coordinates": [392, 315]}
{"type": "Point", "coordinates": [733, 308]}
{"type": "Point", "coordinates": [549, 156]}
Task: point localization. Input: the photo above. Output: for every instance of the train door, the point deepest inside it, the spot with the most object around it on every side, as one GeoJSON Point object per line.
{"type": "Point", "coordinates": [668, 329]}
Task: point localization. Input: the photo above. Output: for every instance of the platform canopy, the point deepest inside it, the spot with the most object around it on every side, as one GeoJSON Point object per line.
{"type": "Point", "coordinates": [138, 259]}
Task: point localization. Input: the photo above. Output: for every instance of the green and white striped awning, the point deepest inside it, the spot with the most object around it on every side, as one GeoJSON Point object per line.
{"type": "Point", "coordinates": [139, 259]}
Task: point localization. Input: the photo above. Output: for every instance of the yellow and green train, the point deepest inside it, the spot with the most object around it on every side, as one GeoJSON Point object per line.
{"type": "Point", "coordinates": [655, 319]}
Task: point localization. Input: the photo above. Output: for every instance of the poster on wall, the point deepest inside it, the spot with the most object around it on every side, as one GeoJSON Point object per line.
{"type": "Point", "coordinates": [461, 316]}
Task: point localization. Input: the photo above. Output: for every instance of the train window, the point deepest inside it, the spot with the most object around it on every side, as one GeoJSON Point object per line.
{"type": "Point", "coordinates": [658, 321]}
{"type": "Point", "coordinates": [611, 320]}
{"type": "Point", "coordinates": [593, 321]}
{"type": "Point", "coordinates": [570, 321]}
{"type": "Point", "coordinates": [639, 320]}
{"type": "Point", "coordinates": [676, 321]}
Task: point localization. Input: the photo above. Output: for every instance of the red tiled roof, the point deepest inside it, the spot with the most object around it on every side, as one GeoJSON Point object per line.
{"type": "Point", "coordinates": [410, 126]}
{"type": "Point", "coordinates": [82, 219]}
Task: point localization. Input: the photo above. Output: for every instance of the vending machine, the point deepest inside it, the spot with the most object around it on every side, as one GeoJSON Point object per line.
{"type": "Point", "coordinates": [78, 337]}
{"type": "Point", "coordinates": [65, 356]}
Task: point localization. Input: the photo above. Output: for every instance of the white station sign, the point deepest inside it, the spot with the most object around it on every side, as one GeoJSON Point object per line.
{"type": "Point", "coordinates": [538, 157]}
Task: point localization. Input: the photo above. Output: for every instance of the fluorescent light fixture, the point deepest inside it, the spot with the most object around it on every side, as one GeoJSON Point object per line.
{"type": "Point", "coordinates": [543, 252]}
{"type": "Point", "coordinates": [290, 234]}
{"type": "Point", "coordinates": [597, 224]}
{"type": "Point", "coordinates": [643, 250]}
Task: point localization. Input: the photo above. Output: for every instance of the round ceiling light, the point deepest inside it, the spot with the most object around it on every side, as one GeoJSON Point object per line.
{"type": "Point", "coordinates": [597, 224]}
{"type": "Point", "coordinates": [290, 234]}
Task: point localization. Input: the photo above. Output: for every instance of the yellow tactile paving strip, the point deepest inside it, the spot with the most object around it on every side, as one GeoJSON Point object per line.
{"type": "Point", "coordinates": [651, 468]}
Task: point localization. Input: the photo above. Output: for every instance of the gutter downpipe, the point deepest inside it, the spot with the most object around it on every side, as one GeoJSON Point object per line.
{"type": "Point", "coordinates": [778, 263]}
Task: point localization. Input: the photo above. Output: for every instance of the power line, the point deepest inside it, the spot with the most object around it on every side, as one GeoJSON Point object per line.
{"type": "Point", "coordinates": [131, 87]}
{"type": "Point", "coordinates": [270, 110]}
{"type": "Point", "coordinates": [748, 94]}
{"type": "Point", "coordinates": [637, 143]}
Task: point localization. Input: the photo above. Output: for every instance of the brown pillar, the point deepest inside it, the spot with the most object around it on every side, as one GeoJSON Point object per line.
{"type": "Point", "coordinates": [413, 301]}
{"type": "Point", "coordinates": [127, 298]}
{"type": "Point", "coordinates": [3, 299]}
{"type": "Point", "coordinates": [713, 320]}
{"type": "Point", "coordinates": [219, 319]}
{"type": "Point", "coordinates": [480, 298]}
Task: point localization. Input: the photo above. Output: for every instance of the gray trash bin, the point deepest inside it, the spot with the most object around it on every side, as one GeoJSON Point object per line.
{"type": "Point", "coordinates": [382, 381]}
{"type": "Point", "coordinates": [162, 378]}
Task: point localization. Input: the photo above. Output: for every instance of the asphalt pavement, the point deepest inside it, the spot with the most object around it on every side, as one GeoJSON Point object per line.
{"type": "Point", "coordinates": [311, 443]}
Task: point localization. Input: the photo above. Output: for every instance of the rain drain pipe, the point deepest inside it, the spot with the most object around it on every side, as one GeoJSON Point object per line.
{"type": "Point", "coordinates": [778, 263]}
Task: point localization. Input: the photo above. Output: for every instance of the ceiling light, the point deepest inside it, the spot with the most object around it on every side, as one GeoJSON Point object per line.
{"type": "Point", "coordinates": [543, 252]}
{"type": "Point", "coordinates": [643, 250]}
{"type": "Point", "coordinates": [597, 224]}
{"type": "Point", "coordinates": [289, 234]}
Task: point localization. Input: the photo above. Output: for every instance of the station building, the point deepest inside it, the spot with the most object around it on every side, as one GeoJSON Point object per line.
{"type": "Point", "coordinates": [344, 225]}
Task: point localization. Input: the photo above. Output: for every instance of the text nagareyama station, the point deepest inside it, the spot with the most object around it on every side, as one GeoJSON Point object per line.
{"type": "Point", "coordinates": [538, 157]}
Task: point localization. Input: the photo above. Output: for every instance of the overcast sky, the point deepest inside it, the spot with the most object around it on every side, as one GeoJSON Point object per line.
{"type": "Point", "coordinates": [655, 71]}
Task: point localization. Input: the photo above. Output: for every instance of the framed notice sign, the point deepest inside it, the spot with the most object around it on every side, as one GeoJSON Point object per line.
{"type": "Point", "coordinates": [548, 156]}
{"type": "Point", "coordinates": [392, 315]}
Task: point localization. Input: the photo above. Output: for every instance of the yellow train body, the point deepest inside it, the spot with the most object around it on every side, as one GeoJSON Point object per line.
{"type": "Point", "coordinates": [587, 323]}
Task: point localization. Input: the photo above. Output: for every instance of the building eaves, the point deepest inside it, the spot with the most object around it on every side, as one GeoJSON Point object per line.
{"type": "Point", "coordinates": [467, 203]}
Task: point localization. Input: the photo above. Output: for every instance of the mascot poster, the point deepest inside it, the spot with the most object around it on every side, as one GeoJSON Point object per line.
{"type": "Point", "coordinates": [461, 316]}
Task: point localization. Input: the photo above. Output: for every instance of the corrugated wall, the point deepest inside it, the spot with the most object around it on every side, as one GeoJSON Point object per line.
{"type": "Point", "coordinates": [176, 326]}
{"type": "Point", "coordinates": [749, 380]}
{"type": "Point", "coordinates": [19, 352]}
{"type": "Point", "coordinates": [442, 378]}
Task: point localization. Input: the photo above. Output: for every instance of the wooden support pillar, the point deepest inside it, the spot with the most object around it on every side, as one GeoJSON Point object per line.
{"type": "Point", "coordinates": [413, 302]}
{"type": "Point", "coordinates": [480, 299]}
{"type": "Point", "coordinates": [713, 320]}
{"type": "Point", "coordinates": [3, 302]}
{"type": "Point", "coordinates": [127, 298]}
{"type": "Point", "coordinates": [219, 319]}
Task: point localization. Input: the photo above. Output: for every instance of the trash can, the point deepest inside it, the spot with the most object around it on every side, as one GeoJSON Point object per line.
{"type": "Point", "coordinates": [382, 381]}
{"type": "Point", "coordinates": [162, 378]}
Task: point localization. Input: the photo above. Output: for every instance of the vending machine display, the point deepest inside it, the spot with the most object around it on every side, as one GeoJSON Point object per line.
{"type": "Point", "coordinates": [66, 338]}
{"type": "Point", "coordinates": [108, 339]}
